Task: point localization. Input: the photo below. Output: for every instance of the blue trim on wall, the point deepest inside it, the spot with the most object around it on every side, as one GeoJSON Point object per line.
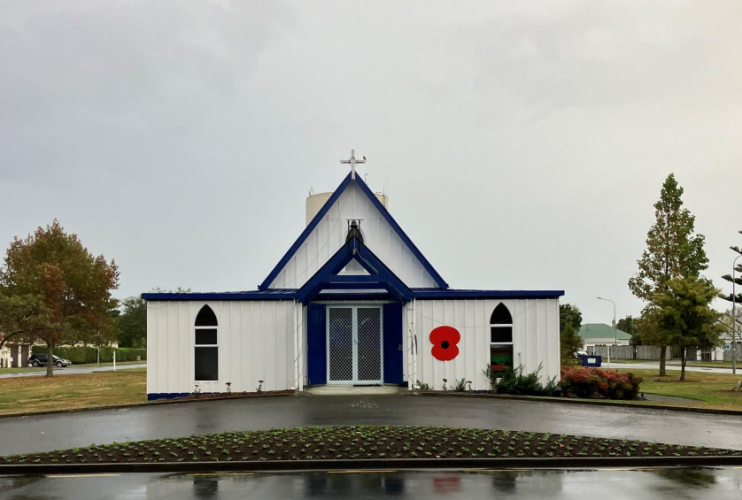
{"type": "Point", "coordinates": [316, 344]}
{"type": "Point", "coordinates": [165, 395]}
{"type": "Point", "coordinates": [326, 207]}
{"type": "Point", "coordinates": [428, 294]}
{"type": "Point", "coordinates": [393, 342]}
{"type": "Point", "coordinates": [274, 294]}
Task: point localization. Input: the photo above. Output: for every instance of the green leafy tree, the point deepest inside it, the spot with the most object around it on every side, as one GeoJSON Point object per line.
{"type": "Point", "coordinates": [673, 251]}
{"type": "Point", "coordinates": [132, 323]}
{"type": "Point", "coordinates": [569, 314]}
{"type": "Point", "coordinates": [737, 278]}
{"type": "Point", "coordinates": [570, 342]}
{"type": "Point", "coordinates": [684, 315]}
{"type": "Point", "coordinates": [630, 326]}
{"type": "Point", "coordinates": [53, 268]}
{"type": "Point", "coordinates": [22, 317]}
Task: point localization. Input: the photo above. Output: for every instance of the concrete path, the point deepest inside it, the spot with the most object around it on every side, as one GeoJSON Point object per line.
{"type": "Point", "coordinates": [655, 365]}
{"type": "Point", "coordinates": [72, 370]}
{"type": "Point", "coordinates": [608, 484]}
{"type": "Point", "coordinates": [58, 431]}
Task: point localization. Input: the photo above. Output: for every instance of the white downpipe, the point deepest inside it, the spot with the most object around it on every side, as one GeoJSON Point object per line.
{"type": "Point", "coordinates": [300, 336]}
{"type": "Point", "coordinates": [114, 360]}
{"type": "Point", "coordinates": [413, 351]}
{"type": "Point", "coordinates": [296, 349]}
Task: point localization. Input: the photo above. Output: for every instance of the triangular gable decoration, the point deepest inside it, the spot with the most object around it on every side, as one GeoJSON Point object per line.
{"type": "Point", "coordinates": [326, 233]}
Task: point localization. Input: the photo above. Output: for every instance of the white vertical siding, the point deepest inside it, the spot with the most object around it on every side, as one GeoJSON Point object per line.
{"type": "Point", "coordinates": [535, 338]}
{"type": "Point", "coordinates": [255, 342]}
{"type": "Point", "coordinates": [329, 235]}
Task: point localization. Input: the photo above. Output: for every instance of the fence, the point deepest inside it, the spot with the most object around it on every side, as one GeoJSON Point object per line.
{"type": "Point", "coordinates": [728, 354]}
{"type": "Point", "coordinates": [647, 352]}
{"type": "Point", "coordinates": [89, 354]}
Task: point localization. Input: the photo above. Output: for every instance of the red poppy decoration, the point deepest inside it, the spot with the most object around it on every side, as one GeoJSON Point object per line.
{"type": "Point", "coordinates": [444, 340]}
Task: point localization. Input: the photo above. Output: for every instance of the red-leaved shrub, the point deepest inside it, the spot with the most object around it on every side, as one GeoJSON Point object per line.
{"type": "Point", "coordinates": [595, 383]}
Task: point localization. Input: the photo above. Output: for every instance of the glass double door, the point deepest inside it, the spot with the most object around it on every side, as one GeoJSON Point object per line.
{"type": "Point", "coordinates": [354, 345]}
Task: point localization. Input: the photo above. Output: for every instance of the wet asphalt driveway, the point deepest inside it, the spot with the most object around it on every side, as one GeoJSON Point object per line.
{"type": "Point", "coordinates": [57, 431]}
{"type": "Point", "coordinates": [673, 484]}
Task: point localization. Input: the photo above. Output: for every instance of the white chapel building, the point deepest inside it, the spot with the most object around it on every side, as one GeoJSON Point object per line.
{"type": "Point", "coordinates": [352, 302]}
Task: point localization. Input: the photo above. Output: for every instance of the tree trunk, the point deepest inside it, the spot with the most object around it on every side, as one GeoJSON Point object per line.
{"type": "Point", "coordinates": [663, 355]}
{"type": "Point", "coordinates": [49, 359]}
{"type": "Point", "coordinates": [683, 360]}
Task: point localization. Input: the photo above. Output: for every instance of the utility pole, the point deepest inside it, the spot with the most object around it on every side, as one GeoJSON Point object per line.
{"type": "Point", "coordinates": [734, 318]}
{"type": "Point", "coordinates": [615, 336]}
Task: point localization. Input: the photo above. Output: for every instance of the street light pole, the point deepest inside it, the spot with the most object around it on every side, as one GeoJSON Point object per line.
{"type": "Point", "coordinates": [734, 318]}
{"type": "Point", "coordinates": [615, 336]}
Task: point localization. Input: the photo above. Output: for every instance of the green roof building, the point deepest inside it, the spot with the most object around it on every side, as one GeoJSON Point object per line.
{"type": "Point", "coordinates": [601, 334]}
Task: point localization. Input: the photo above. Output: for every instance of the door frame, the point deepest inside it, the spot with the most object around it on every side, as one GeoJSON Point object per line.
{"type": "Point", "coordinates": [355, 306]}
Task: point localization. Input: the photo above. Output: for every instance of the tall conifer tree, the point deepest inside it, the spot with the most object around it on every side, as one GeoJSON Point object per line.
{"type": "Point", "coordinates": [673, 251]}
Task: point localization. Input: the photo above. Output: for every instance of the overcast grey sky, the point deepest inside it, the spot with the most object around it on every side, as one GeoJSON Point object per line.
{"type": "Point", "coordinates": [522, 144]}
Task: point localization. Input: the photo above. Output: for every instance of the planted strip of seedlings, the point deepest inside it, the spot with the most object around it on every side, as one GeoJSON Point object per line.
{"type": "Point", "coordinates": [361, 442]}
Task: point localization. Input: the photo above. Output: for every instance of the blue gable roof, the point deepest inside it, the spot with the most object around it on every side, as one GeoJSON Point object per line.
{"type": "Point", "coordinates": [379, 275]}
{"type": "Point", "coordinates": [326, 207]}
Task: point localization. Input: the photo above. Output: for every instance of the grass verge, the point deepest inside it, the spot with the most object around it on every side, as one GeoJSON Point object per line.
{"type": "Point", "coordinates": [361, 442]}
{"type": "Point", "coordinates": [36, 394]}
{"type": "Point", "coordinates": [714, 389]}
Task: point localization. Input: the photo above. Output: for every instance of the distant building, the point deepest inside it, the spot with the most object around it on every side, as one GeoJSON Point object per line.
{"type": "Point", "coordinates": [14, 355]}
{"type": "Point", "coordinates": [596, 334]}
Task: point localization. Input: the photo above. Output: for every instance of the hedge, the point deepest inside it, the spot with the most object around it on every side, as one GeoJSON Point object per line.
{"type": "Point", "coordinates": [595, 383]}
{"type": "Point", "coordinates": [79, 355]}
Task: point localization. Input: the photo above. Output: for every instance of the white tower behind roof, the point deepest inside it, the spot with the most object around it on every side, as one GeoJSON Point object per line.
{"type": "Point", "coordinates": [315, 202]}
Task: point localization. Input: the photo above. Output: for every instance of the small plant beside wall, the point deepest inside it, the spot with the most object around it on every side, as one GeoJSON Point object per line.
{"type": "Point", "coordinates": [197, 390]}
{"type": "Point", "coordinates": [445, 387]}
{"type": "Point", "coordinates": [514, 381]}
{"type": "Point", "coordinates": [259, 388]}
{"type": "Point", "coordinates": [460, 385]}
{"type": "Point", "coordinates": [423, 386]}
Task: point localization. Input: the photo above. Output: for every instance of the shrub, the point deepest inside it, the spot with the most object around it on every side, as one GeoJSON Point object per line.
{"type": "Point", "coordinates": [513, 381]}
{"type": "Point", "coordinates": [595, 383]}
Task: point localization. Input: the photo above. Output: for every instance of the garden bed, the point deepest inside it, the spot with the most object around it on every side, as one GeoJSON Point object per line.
{"type": "Point", "coordinates": [230, 395]}
{"type": "Point", "coordinates": [361, 443]}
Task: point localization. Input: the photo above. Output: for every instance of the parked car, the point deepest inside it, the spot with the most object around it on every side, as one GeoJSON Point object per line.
{"type": "Point", "coordinates": [41, 360]}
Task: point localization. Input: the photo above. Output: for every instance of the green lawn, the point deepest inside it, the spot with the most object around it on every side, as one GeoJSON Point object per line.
{"type": "Point", "coordinates": [34, 394]}
{"type": "Point", "coordinates": [712, 390]}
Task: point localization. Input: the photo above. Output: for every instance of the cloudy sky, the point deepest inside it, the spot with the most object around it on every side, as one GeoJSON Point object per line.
{"type": "Point", "coordinates": [522, 144]}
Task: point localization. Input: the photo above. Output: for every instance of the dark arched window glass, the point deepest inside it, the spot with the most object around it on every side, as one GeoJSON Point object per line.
{"type": "Point", "coordinates": [206, 345]}
{"type": "Point", "coordinates": [206, 317]}
{"type": "Point", "coordinates": [501, 316]}
{"type": "Point", "coordinates": [501, 338]}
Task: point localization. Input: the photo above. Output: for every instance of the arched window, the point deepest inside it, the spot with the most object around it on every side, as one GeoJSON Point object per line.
{"type": "Point", "coordinates": [501, 338]}
{"type": "Point", "coordinates": [206, 346]}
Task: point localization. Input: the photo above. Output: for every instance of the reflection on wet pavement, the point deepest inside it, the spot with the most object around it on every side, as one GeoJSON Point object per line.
{"type": "Point", "coordinates": [608, 484]}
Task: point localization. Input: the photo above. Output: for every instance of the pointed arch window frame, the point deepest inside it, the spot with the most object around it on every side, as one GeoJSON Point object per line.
{"type": "Point", "coordinates": [498, 346]}
{"type": "Point", "coordinates": [203, 344]}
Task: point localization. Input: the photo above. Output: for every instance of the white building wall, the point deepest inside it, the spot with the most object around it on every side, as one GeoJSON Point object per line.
{"type": "Point", "coordinates": [329, 235]}
{"type": "Point", "coordinates": [535, 338]}
{"type": "Point", "coordinates": [255, 341]}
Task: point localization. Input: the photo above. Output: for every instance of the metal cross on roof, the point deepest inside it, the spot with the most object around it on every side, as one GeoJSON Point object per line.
{"type": "Point", "coordinates": [352, 162]}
